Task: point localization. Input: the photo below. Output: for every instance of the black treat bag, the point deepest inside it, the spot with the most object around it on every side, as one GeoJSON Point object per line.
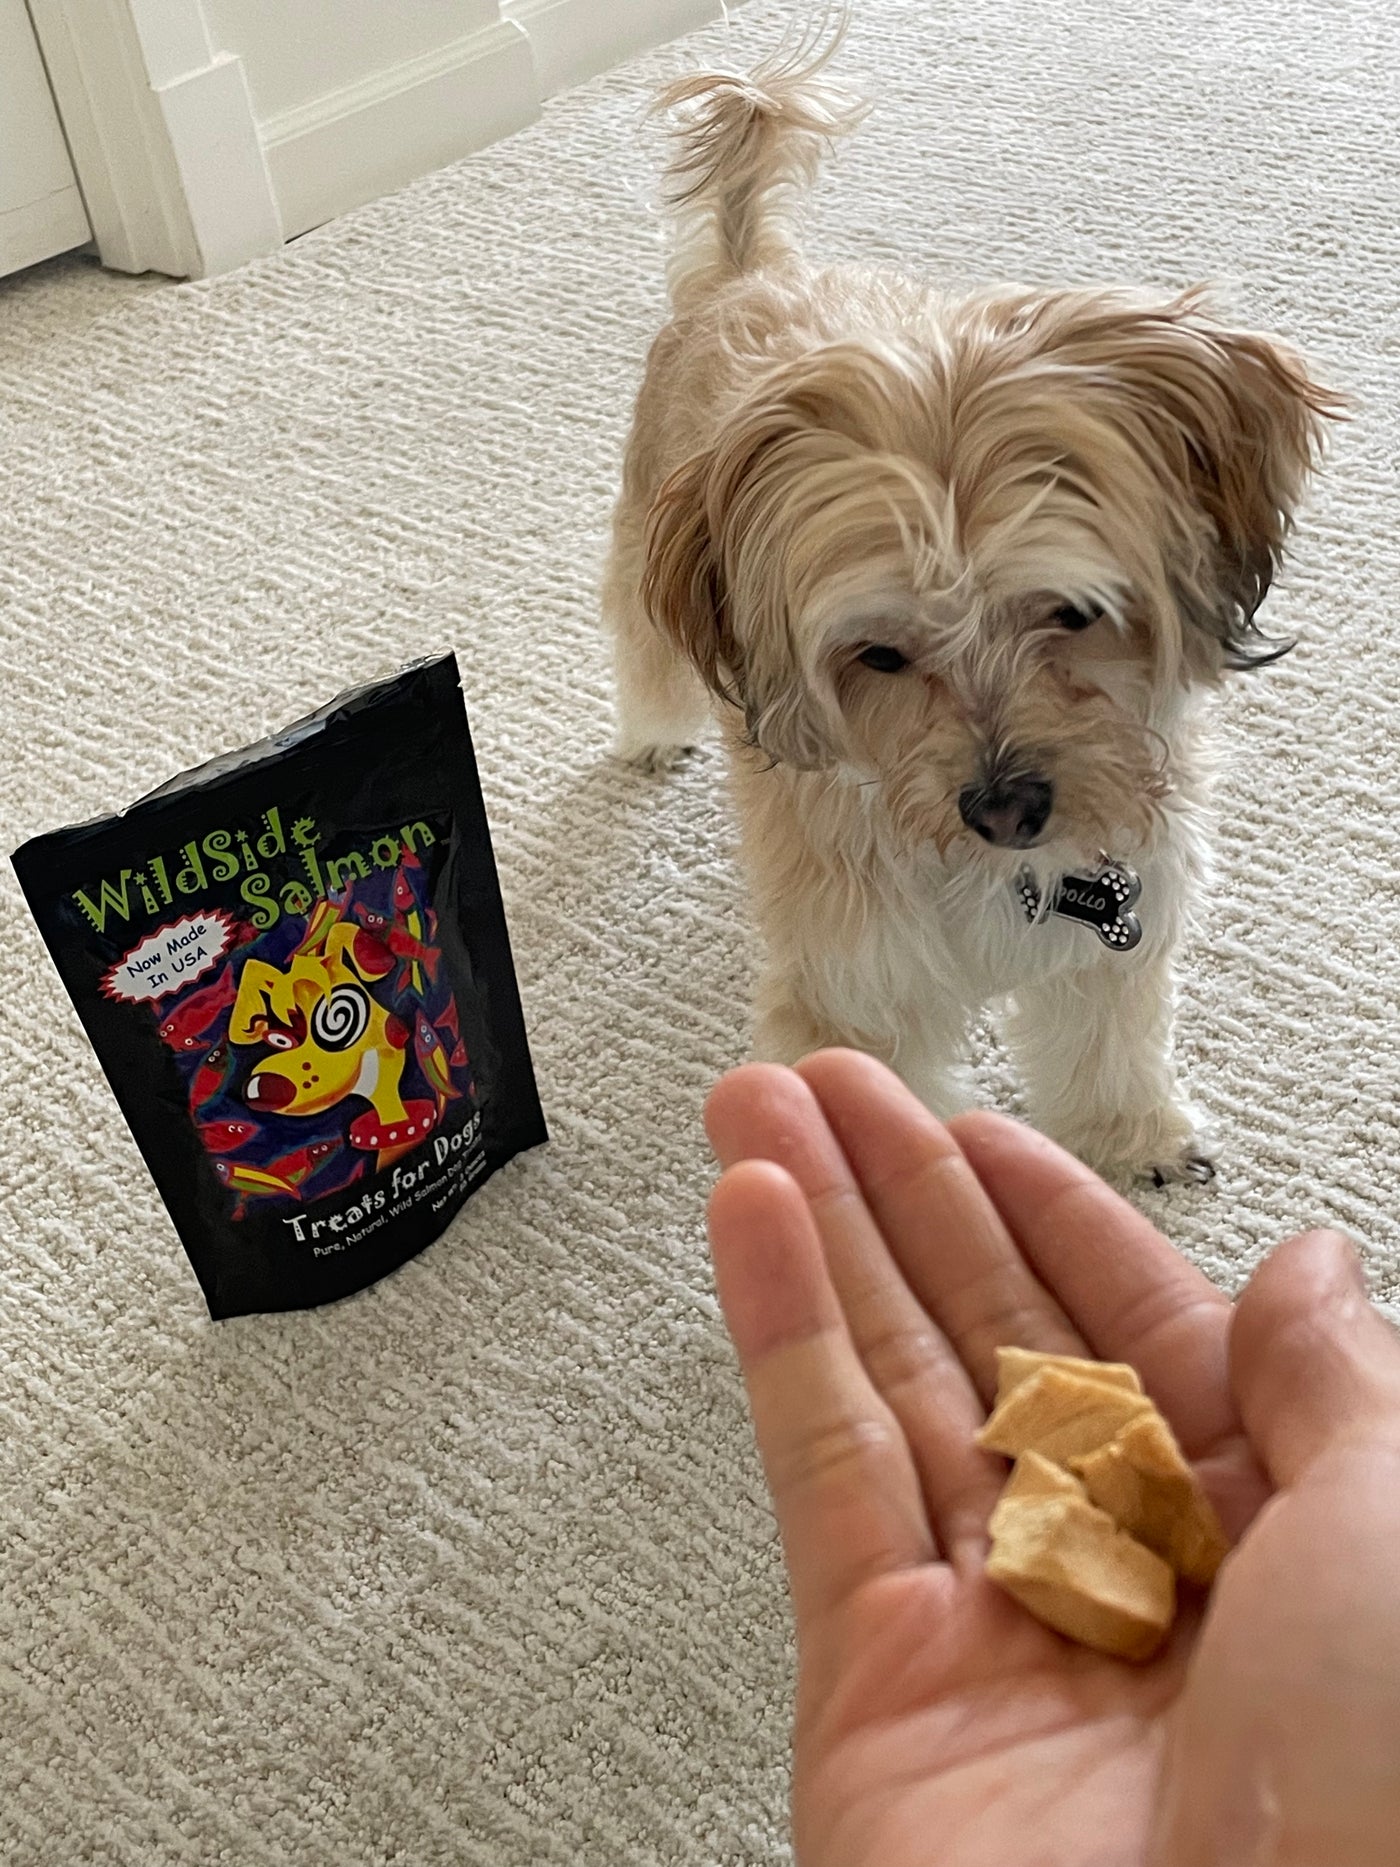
{"type": "Point", "coordinates": [294, 968]}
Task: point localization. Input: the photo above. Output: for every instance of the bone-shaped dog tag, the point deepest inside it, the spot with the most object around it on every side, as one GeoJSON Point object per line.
{"type": "Point", "coordinates": [1100, 901]}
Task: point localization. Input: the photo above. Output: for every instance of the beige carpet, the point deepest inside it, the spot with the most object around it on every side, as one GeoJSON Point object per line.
{"type": "Point", "coordinates": [476, 1567]}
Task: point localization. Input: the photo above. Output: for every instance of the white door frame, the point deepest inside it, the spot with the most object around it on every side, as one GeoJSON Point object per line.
{"type": "Point", "coordinates": [162, 135]}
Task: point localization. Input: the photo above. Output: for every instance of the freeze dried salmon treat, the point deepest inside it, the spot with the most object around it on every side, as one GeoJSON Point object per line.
{"type": "Point", "coordinates": [1034, 1477]}
{"type": "Point", "coordinates": [1069, 1565]}
{"type": "Point", "coordinates": [1015, 1365]}
{"type": "Point", "coordinates": [1060, 1415]}
{"type": "Point", "coordinates": [1141, 1478]}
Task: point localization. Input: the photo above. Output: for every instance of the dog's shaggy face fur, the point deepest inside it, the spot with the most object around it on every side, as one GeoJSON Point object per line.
{"type": "Point", "coordinates": [955, 573]}
{"type": "Point", "coordinates": [1056, 512]}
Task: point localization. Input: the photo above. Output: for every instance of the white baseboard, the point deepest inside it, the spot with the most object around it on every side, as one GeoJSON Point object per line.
{"type": "Point", "coordinates": [576, 39]}
{"type": "Point", "coordinates": [357, 144]}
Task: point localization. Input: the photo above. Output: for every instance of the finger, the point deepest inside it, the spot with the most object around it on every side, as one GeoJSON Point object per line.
{"type": "Point", "coordinates": [951, 1245]}
{"type": "Point", "coordinates": [764, 1112]}
{"type": "Point", "coordinates": [1131, 1295]}
{"type": "Point", "coordinates": [1313, 1363]}
{"type": "Point", "coordinates": [844, 1486]}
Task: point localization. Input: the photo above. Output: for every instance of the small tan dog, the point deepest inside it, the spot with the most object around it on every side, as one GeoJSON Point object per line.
{"type": "Point", "coordinates": [955, 576]}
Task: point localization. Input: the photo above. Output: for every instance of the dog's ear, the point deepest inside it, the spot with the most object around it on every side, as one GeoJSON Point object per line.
{"type": "Point", "coordinates": [682, 587]}
{"type": "Point", "coordinates": [1254, 441]}
{"type": "Point", "coordinates": [1239, 426]}
{"type": "Point", "coordinates": [264, 995]}
{"type": "Point", "coordinates": [721, 520]}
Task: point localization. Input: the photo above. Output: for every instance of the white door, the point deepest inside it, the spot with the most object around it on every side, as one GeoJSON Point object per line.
{"type": "Point", "coordinates": [41, 211]}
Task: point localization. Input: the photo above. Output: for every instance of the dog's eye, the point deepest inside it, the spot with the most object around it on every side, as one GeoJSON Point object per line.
{"type": "Point", "coordinates": [340, 1021]}
{"type": "Point", "coordinates": [1068, 616]}
{"type": "Point", "coordinates": [882, 659]}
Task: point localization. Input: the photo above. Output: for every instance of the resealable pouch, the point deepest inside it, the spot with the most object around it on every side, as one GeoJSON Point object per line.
{"type": "Point", "coordinates": [294, 967]}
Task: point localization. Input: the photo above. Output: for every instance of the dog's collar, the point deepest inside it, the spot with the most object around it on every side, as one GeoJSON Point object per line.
{"type": "Point", "coordinates": [1100, 900]}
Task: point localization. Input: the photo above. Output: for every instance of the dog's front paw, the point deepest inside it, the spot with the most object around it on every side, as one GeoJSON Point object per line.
{"type": "Point", "coordinates": [1196, 1167]}
{"type": "Point", "coordinates": [1161, 1147]}
{"type": "Point", "coordinates": [654, 760]}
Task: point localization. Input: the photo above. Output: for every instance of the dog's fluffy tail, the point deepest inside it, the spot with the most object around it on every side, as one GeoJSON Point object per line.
{"type": "Point", "coordinates": [747, 149]}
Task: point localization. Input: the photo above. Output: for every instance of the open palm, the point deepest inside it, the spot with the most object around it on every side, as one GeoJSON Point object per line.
{"type": "Point", "coordinates": [870, 1262]}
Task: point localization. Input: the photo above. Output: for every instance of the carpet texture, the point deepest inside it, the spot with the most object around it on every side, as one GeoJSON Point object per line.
{"type": "Point", "coordinates": [477, 1567]}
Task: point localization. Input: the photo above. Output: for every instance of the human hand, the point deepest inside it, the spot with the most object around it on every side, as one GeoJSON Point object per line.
{"type": "Point", "coordinates": [869, 1262]}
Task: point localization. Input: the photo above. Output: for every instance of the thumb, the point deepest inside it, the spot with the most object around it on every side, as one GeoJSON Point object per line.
{"type": "Point", "coordinates": [1312, 1362]}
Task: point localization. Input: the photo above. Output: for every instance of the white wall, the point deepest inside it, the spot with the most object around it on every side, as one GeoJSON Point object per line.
{"type": "Point", "coordinates": [574, 39]}
{"type": "Point", "coordinates": [295, 51]}
{"type": "Point", "coordinates": [353, 98]}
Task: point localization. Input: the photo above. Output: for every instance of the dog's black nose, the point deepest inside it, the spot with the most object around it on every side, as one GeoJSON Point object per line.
{"type": "Point", "coordinates": [1010, 813]}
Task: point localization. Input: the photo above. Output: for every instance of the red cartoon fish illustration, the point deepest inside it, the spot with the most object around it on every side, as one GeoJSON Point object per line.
{"type": "Point", "coordinates": [226, 1137]}
{"type": "Point", "coordinates": [303, 1162]}
{"type": "Point", "coordinates": [212, 1075]}
{"type": "Point", "coordinates": [371, 955]}
{"type": "Point", "coordinates": [446, 1020]}
{"type": "Point", "coordinates": [408, 928]}
{"type": "Point", "coordinates": [185, 1026]}
{"type": "Point", "coordinates": [252, 1183]}
{"type": "Point", "coordinates": [404, 946]}
{"type": "Point", "coordinates": [368, 917]}
{"type": "Point", "coordinates": [405, 901]}
{"type": "Point", "coordinates": [432, 1060]}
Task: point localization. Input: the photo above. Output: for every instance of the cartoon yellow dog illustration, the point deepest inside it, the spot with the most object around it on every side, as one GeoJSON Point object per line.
{"type": "Point", "coordinates": [330, 1037]}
